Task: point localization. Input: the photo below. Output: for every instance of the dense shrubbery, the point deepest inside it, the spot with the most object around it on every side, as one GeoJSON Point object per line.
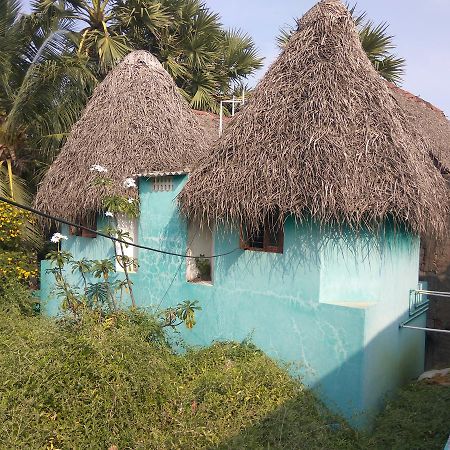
{"type": "Point", "coordinates": [93, 381]}
{"type": "Point", "coordinates": [15, 261]}
{"type": "Point", "coordinates": [90, 384]}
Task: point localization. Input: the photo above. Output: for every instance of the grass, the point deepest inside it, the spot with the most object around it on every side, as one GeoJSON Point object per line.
{"type": "Point", "coordinates": [417, 419]}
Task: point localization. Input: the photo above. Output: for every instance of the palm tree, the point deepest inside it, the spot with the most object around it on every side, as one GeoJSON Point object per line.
{"type": "Point", "coordinates": [376, 42]}
{"type": "Point", "coordinates": [102, 36]}
{"type": "Point", "coordinates": [43, 86]}
{"type": "Point", "coordinates": [205, 60]}
{"type": "Point", "coordinates": [42, 91]}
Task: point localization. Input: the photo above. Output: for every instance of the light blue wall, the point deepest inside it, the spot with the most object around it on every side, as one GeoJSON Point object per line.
{"type": "Point", "coordinates": [330, 304]}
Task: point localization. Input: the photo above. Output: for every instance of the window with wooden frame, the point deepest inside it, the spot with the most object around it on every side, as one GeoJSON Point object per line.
{"type": "Point", "coordinates": [267, 237]}
{"type": "Point", "coordinates": [77, 231]}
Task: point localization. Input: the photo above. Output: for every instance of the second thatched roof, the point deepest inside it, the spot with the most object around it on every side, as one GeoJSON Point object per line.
{"type": "Point", "coordinates": [321, 136]}
{"type": "Point", "coordinates": [135, 122]}
{"type": "Point", "coordinates": [430, 121]}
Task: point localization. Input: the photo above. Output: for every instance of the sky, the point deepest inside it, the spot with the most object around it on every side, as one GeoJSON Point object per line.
{"type": "Point", "coordinates": [421, 30]}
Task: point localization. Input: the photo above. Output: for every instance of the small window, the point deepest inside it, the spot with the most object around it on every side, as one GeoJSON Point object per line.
{"type": "Point", "coordinates": [162, 184]}
{"type": "Point", "coordinates": [200, 245]}
{"type": "Point", "coordinates": [77, 231]}
{"type": "Point", "coordinates": [129, 226]}
{"type": "Point", "coordinates": [268, 237]}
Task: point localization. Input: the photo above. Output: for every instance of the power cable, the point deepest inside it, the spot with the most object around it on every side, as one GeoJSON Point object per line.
{"type": "Point", "coordinates": [99, 233]}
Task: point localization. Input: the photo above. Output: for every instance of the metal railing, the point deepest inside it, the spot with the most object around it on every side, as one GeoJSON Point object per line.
{"type": "Point", "coordinates": [419, 304]}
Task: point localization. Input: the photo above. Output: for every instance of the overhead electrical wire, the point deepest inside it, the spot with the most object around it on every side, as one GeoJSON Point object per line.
{"type": "Point", "coordinates": [99, 233]}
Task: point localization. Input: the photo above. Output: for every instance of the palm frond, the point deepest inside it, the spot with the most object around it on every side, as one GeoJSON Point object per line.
{"type": "Point", "coordinates": [391, 68]}
{"type": "Point", "coordinates": [284, 35]}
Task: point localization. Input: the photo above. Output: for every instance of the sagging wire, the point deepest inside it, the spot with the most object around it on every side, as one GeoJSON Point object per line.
{"type": "Point", "coordinates": [112, 238]}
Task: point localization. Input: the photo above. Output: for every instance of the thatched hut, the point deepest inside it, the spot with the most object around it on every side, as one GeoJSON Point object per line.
{"type": "Point", "coordinates": [321, 136]}
{"type": "Point", "coordinates": [326, 184]}
{"type": "Point", "coordinates": [136, 121]}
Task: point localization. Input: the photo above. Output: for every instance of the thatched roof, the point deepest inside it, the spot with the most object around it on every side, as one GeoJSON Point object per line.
{"type": "Point", "coordinates": [209, 123]}
{"type": "Point", "coordinates": [135, 122]}
{"type": "Point", "coordinates": [321, 136]}
{"type": "Point", "coordinates": [430, 121]}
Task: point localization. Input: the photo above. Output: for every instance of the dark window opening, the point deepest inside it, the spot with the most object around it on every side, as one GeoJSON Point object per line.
{"type": "Point", "coordinates": [267, 237]}
{"type": "Point", "coordinates": [77, 231]}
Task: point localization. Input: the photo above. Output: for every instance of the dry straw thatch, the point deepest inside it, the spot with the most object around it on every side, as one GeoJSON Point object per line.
{"type": "Point", "coordinates": [430, 121]}
{"type": "Point", "coordinates": [136, 121]}
{"type": "Point", "coordinates": [321, 136]}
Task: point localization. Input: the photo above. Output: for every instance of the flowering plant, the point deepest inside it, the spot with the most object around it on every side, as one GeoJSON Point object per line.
{"type": "Point", "coordinates": [18, 264]}
{"type": "Point", "coordinates": [12, 224]}
{"type": "Point", "coordinates": [58, 237]}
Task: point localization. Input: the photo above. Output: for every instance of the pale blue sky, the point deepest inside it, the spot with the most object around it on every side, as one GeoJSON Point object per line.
{"type": "Point", "coordinates": [421, 29]}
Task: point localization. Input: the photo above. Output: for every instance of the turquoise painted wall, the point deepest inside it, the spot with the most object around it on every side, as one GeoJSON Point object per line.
{"type": "Point", "coordinates": [330, 304]}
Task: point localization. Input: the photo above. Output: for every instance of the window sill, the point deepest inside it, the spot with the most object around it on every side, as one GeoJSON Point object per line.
{"type": "Point", "coordinates": [200, 282]}
{"type": "Point", "coordinates": [263, 250]}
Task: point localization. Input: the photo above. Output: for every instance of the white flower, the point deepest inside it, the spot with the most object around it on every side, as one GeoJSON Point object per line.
{"type": "Point", "coordinates": [129, 183]}
{"type": "Point", "coordinates": [57, 237]}
{"type": "Point", "coordinates": [109, 214]}
{"type": "Point", "coordinates": [130, 200]}
{"type": "Point", "coordinates": [98, 168]}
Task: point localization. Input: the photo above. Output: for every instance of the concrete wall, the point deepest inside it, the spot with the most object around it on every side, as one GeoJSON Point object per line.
{"type": "Point", "coordinates": [330, 304]}
{"type": "Point", "coordinates": [435, 270]}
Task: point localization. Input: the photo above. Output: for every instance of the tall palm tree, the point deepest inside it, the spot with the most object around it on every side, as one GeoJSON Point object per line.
{"type": "Point", "coordinates": [205, 60]}
{"type": "Point", "coordinates": [376, 42]}
{"type": "Point", "coordinates": [43, 88]}
{"type": "Point", "coordinates": [101, 38]}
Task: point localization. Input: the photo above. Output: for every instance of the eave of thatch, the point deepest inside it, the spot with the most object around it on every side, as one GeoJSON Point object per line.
{"type": "Point", "coordinates": [430, 121]}
{"type": "Point", "coordinates": [321, 136]}
{"type": "Point", "coordinates": [135, 122]}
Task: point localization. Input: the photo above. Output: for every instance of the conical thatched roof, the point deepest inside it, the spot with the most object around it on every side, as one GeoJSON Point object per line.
{"type": "Point", "coordinates": [321, 136]}
{"type": "Point", "coordinates": [136, 121]}
{"type": "Point", "coordinates": [430, 121]}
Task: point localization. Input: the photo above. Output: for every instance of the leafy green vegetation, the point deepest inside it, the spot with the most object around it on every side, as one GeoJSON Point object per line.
{"type": "Point", "coordinates": [91, 385]}
{"type": "Point", "coordinates": [96, 381]}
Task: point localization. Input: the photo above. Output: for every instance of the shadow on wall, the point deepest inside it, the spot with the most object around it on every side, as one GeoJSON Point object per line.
{"type": "Point", "coordinates": [295, 423]}
{"type": "Point", "coordinates": [303, 248]}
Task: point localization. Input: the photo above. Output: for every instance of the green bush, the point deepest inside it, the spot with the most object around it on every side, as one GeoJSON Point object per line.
{"type": "Point", "coordinates": [17, 260]}
{"type": "Point", "coordinates": [93, 384]}
{"type": "Point", "coordinates": [95, 381]}
{"type": "Point", "coordinates": [16, 297]}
